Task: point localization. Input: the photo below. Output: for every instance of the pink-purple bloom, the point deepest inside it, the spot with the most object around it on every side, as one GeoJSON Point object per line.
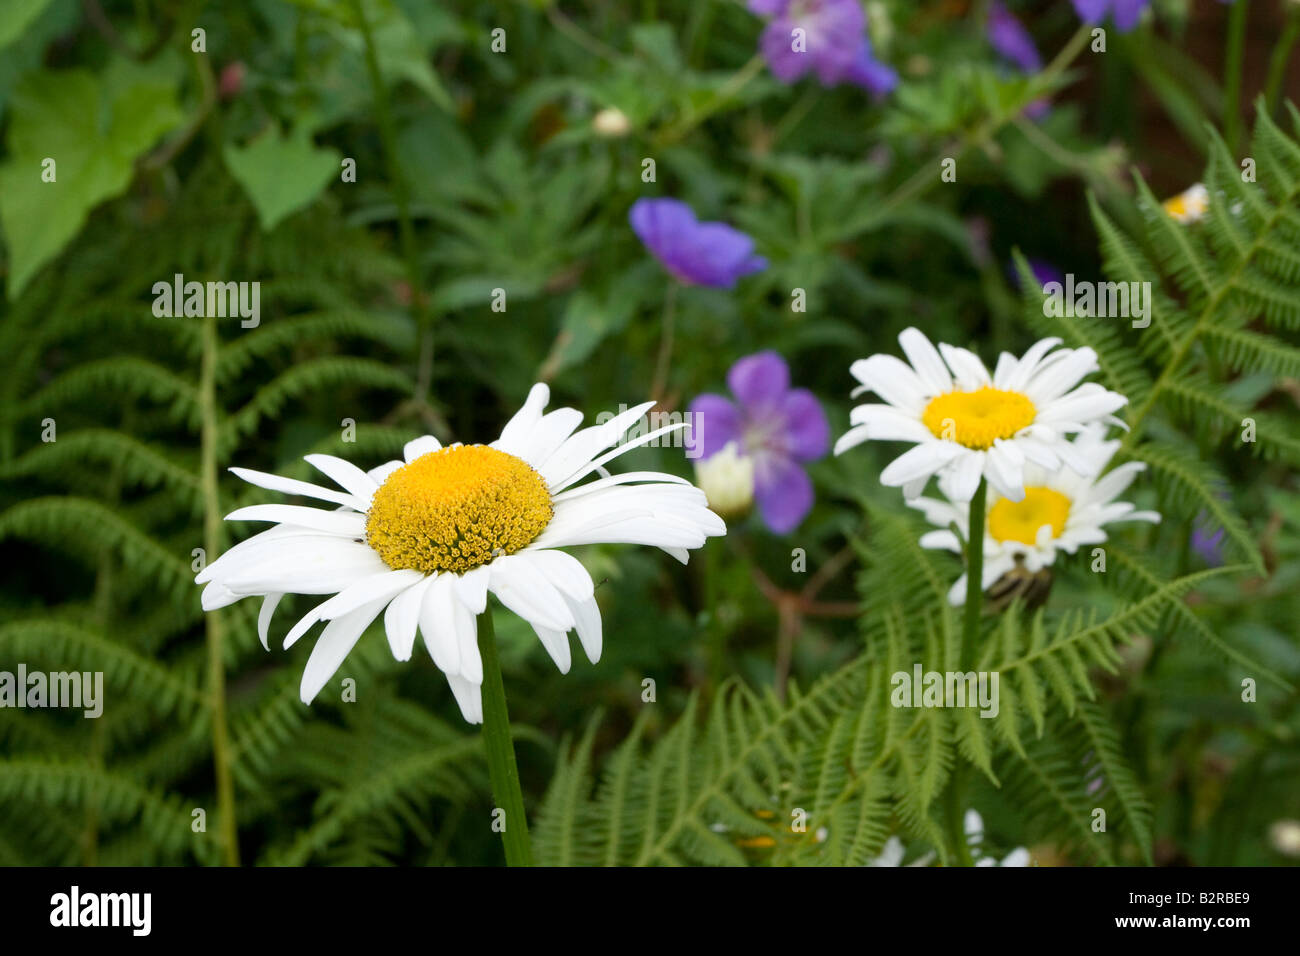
{"type": "Point", "coordinates": [835, 45]}
{"type": "Point", "coordinates": [697, 253]}
{"type": "Point", "coordinates": [1125, 13]}
{"type": "Point", "coordinates": [778, 427]}
{"type": "Point", "coordinates": [1011, 40]}
{"type": "Point", "coordinates": [1207, 540]}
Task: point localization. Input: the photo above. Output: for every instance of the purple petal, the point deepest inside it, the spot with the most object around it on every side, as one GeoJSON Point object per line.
{"type": "Point", "coordinates": [808, 433]}
{"type": "Point", "coordinates": [784, 493]}
{"type": "Point", "coordinates": [715, 421]}
{"type": "Point", "coordinates": [657, 222]}
{"type": "Point", "coordinates": [1091, 11]}
{"type": "Point", "coordinates": [1127, 13]}
{"type": "Point", "coordinates": [760, 380]}
{"type": "Point", "coordinates": [700, 253]}
{"type": "Point", "coordinates": [872, 75]}
{"type": "Point", "coordinates": [768, 8]}
{"type": "Point", "coordinates": [1009, 37]}
{"type": "Point", "coordinates": [832, 32]}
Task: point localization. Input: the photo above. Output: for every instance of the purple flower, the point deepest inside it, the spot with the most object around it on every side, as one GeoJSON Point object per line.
{"type": "Point", "coordinates": [1042, 271]}
{"type": "Point", "coordinates": [1207, 540]}
{"type": "Point", "coordinates": [832, 42]}
{"type": "Point", "coordinates": [1125, 13]}
{"type": "Point", "coordinates": [776, 427]}
{"type": "Point", "coordinates": [1009, 37]}
{"type": "Point", "coordinates": [697, 253]}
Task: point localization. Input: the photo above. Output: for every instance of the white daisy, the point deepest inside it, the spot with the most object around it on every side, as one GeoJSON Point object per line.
{"type": "Point", "coordinates": [892, 853]}
{"type": "Point", "coordinates": [425, 540]}
{"type": "Point", "coordinates": [966, 423]}
{"type": "Point", "coordinates": [1060, 511]}
{"type": "Point", "coordinates": [1190, 205]}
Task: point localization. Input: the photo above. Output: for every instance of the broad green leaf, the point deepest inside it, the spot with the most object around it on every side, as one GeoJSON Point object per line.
{"type": "Point", "coordinates": [16, 16]}
{"type": "Point", "coordinates": [93, 128]}
{"type": "Point", "coordinates": [280, 173]}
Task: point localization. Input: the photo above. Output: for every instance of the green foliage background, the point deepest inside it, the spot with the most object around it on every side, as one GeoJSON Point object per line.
{"type": "Point", "coordinates": [479, 170]}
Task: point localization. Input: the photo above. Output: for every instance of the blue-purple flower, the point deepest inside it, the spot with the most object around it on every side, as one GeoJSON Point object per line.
{"type": "Point", "coordinates": [771, 425]}
{"type": "Point", "coordinates": [1207, 540]}
{"type": "Point", "coordinates": [831, 42]}
{"type": "Point", "coordinates": [697, 253]}
{"type": "Point", "coordinates": [1125, 13]}
{"type": "Point", "coordinates": [1012, 41]}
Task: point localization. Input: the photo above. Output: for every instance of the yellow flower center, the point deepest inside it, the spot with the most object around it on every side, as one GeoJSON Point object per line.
{"type": "Point", "coordinates": [457, 508]}
{"type": "Point", "coordinates": [977, 419]}
{"type": "Point", "coordinates": [1020, 520]}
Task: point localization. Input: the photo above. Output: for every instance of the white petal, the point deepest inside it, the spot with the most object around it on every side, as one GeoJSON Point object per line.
{"type": "Point", "coordinates": [293, 487]}
{"type": "Point", "coordinates": [269, 604]}
{"type": "Point", "coordinates": [469, 697]}
{"type": "Point", "coordinates": [438, 624]}
{"type": "Point", "coordinates": [920, 461]}
{"type": "Point", "coordinates": [526, 592]}
{"type": "Point", "coordinates": [419, 447]}
{"type": "Point", "coordinates": [557, 645]}
{"type": "Point", "coordinates": [518, 428]}
{"type": "Point", "coordinates": [380, 473]}
{"type": "Point", "coordinates": [925, 359]}
{"type": "Point", "coordinates": [402, 619]}
{"type": "Point", "coordinates": [347, 475]}
{"type": "Point", "coordinates": [377, 587]}
{"type": "Point", "coordinates": [564, 571]}
{"type": "Point", "coordinates": [548, 435]}
{"type": "Point", "coordinates": [471, 588]}
{"type": "Point", "coordinates": [893, 380]}
{"type": "Point", "coordinates": [966, 366]}
{"type": "Point", "coordinates": [343, 523]}
{"type": "Point", "coordinates": [583, 446]}
{"type": "Point", "coordinates": [334, 644]}
{"type": "Point", "coordinates": [586, 615]}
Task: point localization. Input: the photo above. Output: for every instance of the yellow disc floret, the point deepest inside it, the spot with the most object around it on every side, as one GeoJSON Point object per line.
{"type": "Point", "coordinates": [977, 419]}
{"type": "Point", "coordinates": [1020, 520]}
{"type": "Point", "coordinates": [457, 508]}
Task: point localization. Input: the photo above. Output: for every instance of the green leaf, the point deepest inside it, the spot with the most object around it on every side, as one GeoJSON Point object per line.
{"type": "Point", "coordinates": [16, 16]}
{"type": "Point", "coordinates": [280, 173]}
{"type": "Point", "coordinates": [93, 128]}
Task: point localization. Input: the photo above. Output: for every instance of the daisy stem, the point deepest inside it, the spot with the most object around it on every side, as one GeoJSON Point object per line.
{"type": "Point", "coordinates": [502, 769]}
{"type": "Point", "coordinates": [974, 573]}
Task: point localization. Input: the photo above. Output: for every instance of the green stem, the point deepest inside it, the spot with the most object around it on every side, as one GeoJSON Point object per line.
{"type": "Point", "coordinates": [214, 624]}
{"type": "Point", "coordinates": [1232, 74]}
{"type": "Point", "coordinates": [401, 197]}
{"type": "Point", "coordinates": [502, 769]}
{"type": "Point", "coordinates": [1281, 56]}
{"type": "Point", "coordinates": [974, 573]}
{"type": "Point", "coordinates": [954, 811]}
{"type": "Point", "coordinates": [660, 381]}
{"type": "Point", "coordinates": [717, 635]}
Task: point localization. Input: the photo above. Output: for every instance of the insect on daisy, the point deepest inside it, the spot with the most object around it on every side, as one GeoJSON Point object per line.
{"type": "Point", "coordinates": [1060, 512]}
{"type": "Point", "coordinates": [426, 539]}
{"type": "Point", "coordinates": [966, 424]}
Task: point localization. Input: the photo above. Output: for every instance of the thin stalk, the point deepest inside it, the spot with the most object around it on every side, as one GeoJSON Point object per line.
{"type": "Point", "coordinates": [401, 198]}
{"type": "Point", "coordinates": [667, 323]}
{"type": "Point", "coordinates": [1232, 74]}
{"type": "Point", "coordinates": [1281, 56]}
{"type": "Point", "coordinates": [974, 572]}
{"type": "Point", "coordinates": [502, 769]}
{"type": "Point", "coordinates": [214, 624]}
